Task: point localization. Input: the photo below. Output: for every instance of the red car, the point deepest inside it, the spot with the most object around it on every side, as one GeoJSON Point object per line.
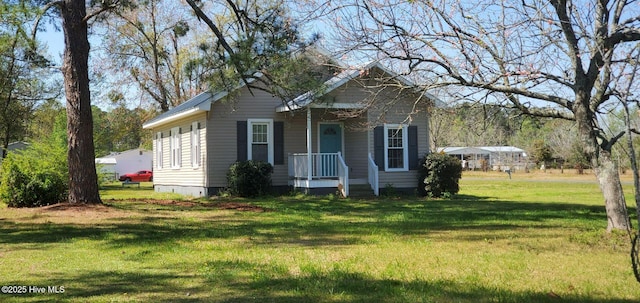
{"type": "Point", "coordinates": [143, 175]}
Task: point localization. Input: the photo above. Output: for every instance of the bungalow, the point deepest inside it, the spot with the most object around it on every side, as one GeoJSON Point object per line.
{"type": "Point", "coordinates": [368, 127]}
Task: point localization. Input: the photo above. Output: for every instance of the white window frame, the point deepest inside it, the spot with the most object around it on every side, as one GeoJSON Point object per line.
{"type": "Point", "coordinates": [405, 147]}
{"type": "Point", "coordinates": [195, 145]}
{"type": "Point", "coordinates": [176, 148]}
{"type": "Point", "coordinates": [269, 123]}
{"type": "Point", "coordinates": [159, 154]}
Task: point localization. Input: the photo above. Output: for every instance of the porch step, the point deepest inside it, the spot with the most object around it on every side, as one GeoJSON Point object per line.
{"type": "Point", "coordinates": [360, 191]}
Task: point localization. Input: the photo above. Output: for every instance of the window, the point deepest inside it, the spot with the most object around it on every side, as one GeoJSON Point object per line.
{"type": "Point", "coordinates": [395, 146]}
{"type": "Point", "coordinates": [159, 150]}
{"type": "Point", "coordinates": [195, 144]}
{"type": "Point", "coordinates": [260, 137]}
{"type": "Point", "coordinates": [176, 147]}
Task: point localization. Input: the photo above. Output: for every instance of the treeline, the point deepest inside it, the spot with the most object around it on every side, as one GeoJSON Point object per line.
{"type": "Point", "coordinates": [117, 128]}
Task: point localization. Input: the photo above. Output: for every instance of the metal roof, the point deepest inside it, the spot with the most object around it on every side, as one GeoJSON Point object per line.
{"type": "Point", "coordinates": [458, 150]}
{"type": "Point", "coordinates": [201, 102]}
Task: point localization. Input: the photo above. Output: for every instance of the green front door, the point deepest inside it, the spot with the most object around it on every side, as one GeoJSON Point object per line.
{"type": "Point", "coordinates": [330, 138]}
{"type": "Point", "coordinates": [330, 143]}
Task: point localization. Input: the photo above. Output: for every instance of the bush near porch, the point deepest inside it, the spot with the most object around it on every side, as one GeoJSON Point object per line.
{"type": "Point", "coordinates": [250, 178]}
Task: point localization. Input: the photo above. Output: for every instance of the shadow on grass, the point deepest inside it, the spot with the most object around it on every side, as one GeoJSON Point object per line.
{"type": "Point", "coordinates": [238, 281]}
{"type": "Point", "coordinates": [306, 222]}
{"type": "Point", "coordinates": [318, 222]}
{"type": "Point", "coordinates": [119, 286]}
{"type": "Point", "coordinates": [339, 285]}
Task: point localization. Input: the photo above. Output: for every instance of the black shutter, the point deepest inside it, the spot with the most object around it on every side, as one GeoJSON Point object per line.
{"type": "Point", "coordinates": [278, 143]}
{"type": "Point", "coordinates": [412, 136]}
{"type": "Point", "coordinates": [241, 138]}
{"type": "Point", "coordinates": [378, 146]}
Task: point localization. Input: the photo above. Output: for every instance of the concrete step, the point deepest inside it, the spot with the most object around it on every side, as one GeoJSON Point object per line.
{"type": "Point", "coordinates": [360, 191]}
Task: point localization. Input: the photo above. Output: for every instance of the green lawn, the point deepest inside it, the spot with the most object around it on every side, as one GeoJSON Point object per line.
{"type": "Point", "coordinates": [500, 240]}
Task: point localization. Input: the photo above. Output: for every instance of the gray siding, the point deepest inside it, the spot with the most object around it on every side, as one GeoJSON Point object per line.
{"type": "Point", "coordinates": [186, 175]}
{"type": "Point", "coordinates": [390, 106]}
{"type": "Point", "coordinates": [401, 112]}
{"type": "Point", "coordinates": [221, 140]}
{"type": "Point", "coordinates": [219, 136]}
{"type": "Point", "coordinates": [356, 153]}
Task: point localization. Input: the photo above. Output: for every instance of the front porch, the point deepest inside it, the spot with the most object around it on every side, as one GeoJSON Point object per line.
{"type": "Point", "coordinates": [334, 156]}
{"type": "Point", "coordinates": [327, 170]}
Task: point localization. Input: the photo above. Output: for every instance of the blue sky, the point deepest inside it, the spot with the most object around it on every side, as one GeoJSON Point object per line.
{"type": "Point", "coordinates": [54, 40]}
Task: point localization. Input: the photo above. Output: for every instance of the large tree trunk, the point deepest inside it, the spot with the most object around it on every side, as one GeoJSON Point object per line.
{"type": "Point", "coordinates": [608, 176]}
{"type": "Point", "coordinates": [83, 179]}
{"type": "Point", "coordinates": [605, 168]}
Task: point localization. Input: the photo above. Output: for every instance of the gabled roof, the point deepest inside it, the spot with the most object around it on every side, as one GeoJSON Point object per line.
{"type": "Point", "coordinates": [203, 101]}
{"type": "Point", "coordinates": [199, 103]}
{"type": "Point", "coordinates": [340, 79]}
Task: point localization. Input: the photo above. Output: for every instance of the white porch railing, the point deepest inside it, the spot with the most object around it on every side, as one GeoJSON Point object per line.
{"type": "Point", "coordinates": [343, 176]}
{"type": "Point", "coordinates": [323, 165]}
{"type": "Point", "coordinates": [373, 176]}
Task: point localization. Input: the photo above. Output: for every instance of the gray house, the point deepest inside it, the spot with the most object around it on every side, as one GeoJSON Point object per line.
{"type": "Point", "coordinates": [368, 127]}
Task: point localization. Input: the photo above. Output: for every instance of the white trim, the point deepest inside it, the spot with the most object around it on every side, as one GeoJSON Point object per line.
{"type": "Point", "coordinates": [269, 123]}
{"type": "Point", "coordinates": [175, 117]}
{"type": "Point", "coordinates": [302, 183]}
{"type": "Point", "coordinates": [309, 145]}
{"type": "Point", "coordinates": [196, 150]}
{"type": "Point", "coordinates": [405, 147]}
{"type": "Point", "coordinates": [159, 151]}
{"type": "Point", "coordinates": [318, 134]}
{"type": "Point", "coordinates": [335, 105]}
{"type": "Point", "coordinates": [175, 147]}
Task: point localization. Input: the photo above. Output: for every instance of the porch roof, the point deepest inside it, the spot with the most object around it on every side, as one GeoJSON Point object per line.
{"type": "Point", "coordinates": [307, 99]}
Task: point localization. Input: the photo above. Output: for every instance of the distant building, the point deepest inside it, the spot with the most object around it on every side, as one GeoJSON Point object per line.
{"type": "Point", "coordinates": [14, 146]}
{"type": "Point", "coordinates": [118, 163]}
{"type": "Point", "coordinates": [489, 157]}
{"type": "Point", "coordinates": [18, 145]}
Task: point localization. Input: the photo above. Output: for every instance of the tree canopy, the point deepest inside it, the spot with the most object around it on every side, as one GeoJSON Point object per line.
{"type": "Point", "coordinates": [559, 59]}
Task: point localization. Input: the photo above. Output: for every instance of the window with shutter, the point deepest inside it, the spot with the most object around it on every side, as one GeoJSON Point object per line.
{"type": "Point", "coordinates": [159, 154]}
{"type": "Point", "coordinates": [260, 140]}
{"type": "Point", "coordinates": [396, 152]}
{"type": "Point", "coordinates": [195, 145]}
{"type": "Point", "coordinates": [176, 148]}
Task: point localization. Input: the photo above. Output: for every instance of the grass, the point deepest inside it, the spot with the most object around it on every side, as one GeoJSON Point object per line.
{"type": "Point", "coordinates": [534, 238]}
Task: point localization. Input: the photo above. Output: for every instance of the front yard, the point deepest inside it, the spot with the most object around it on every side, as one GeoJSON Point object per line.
{"type": "Point", "coordinates": [500, 240]}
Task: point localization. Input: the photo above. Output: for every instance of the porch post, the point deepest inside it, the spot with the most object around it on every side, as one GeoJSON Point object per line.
{"type": "Point", "coordinates": [309, 164]}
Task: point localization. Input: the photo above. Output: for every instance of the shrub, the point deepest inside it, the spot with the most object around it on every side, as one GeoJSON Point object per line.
{"type": "Point", "coordinates": [439, 175]}
{"type": "Point", "coordinates": [34, 177]}
{"type": "Point", "coordinates": [250, 178]}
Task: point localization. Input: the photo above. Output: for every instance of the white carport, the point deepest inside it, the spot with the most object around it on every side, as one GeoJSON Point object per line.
{"type": "Point", "coordinates": [496, 157]}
